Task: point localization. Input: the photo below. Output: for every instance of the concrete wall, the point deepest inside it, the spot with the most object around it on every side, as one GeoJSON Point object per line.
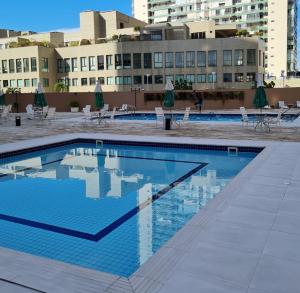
{"type": "Point", "coordinates": [116, 99]}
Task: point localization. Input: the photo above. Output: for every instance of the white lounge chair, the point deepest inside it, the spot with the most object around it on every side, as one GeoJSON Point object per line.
{"type": "Point", "coordinates": [5, 113]}
{"type": "Point", "coordinates": [30, 112]}
{"type": "Point", "coordinates": [275, 120]}
{"type": "Point", "coordinates": [298, 104]}
{"type": "Point", "coordinates": [186, 117]}
{"type": "Point", "coordinates": [245, 118]}
{"type": "Point", "coordinates": [87, 108]}
{"type": "Point", "coordinates": [282, 105]}
{"type": "Point", "coordinates": [45, 111]}
{"type": "Point", "coordinates": [106, 107]}
{"type": "Point", "coordinates": [160, 116]}
{"type": "Point", "coordinates": [51, 113]}
{"type": "Point", "coordinates": [124, 108]}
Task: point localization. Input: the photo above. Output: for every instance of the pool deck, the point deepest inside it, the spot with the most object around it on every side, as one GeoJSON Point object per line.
{"type": "Point", "coordinates": [246, 240]}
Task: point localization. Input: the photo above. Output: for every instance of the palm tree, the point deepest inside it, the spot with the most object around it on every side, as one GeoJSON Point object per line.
{"type": "Point", "coordinates": [61, 87]}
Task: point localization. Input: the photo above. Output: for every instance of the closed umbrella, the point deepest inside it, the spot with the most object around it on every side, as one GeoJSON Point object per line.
{"type": "Point", "coordinates": [99, 102]}
{"type": "Point", "coordinates": [260, 98]}
{"type": "Point", "coordinates": [169, 96]}
{"type": "Point", "coordinates": [39, 97]}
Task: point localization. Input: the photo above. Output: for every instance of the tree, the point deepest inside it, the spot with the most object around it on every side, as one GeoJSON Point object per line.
{"type": "Point", "coordinates": [61, 87]}
{"type": "Point", "coordinates": [182, 84]}
{"type": "Point", "coordinates": [14, 91]}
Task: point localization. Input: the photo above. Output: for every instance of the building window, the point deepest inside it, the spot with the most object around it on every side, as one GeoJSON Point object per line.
{"type": "Point", "coordinates": [126, 61]}
{"type": "Point", "coordinates": [101, 80]}
{"type": "Point", "coordinates": [4, 66]}
{"type": "Point", "coordinates": [110, 80]}
{"type": "Point", "coordinates": [147, 60]}
{"type": "Point", "coordinates": [118, 61]}
{"type": "Point", "coordinates": [67, 82]}
{"type": "Point", "coordinates": [74, 81]}
{"type": "Point", "coordinates": [238, 57]}
{"type": "Point", "coordinates": [26, 82]}
{"type": "Point", "coordinates": [227, 58]}
{"type": "Point", "coordinates": [119, 80]}
{"type": "Point", "coordinates": [19, 65]}
{"type": "Point", "coordinates": [169, 62]}
{"type": "Point", "coordinates": [251, 76]}
{"type": "Point", "coordinates": [5, 83]}
{"type": "Point", "coordinates": [179, 77]}
{"type": "Point", "coordinates": [147, 79]}
{"type": "Point", "coordinates": [26, 64]}
{"type": "Point", "coordinates": [67, 65]}
{"type": "Point", "coordinates": [109, 62]}
{"type": "Point", "coordinates": [12, 83]}
{"type": "Point", "coordinates": [33, 64]}
{"type": "Point", "coordinates": [127, 80]}
{"type": "Point", "coordinates": [60, 65]}
{"type": "Point", "coordinates": [45, 82]}
{"type": "Point", "coordinates": [34, 82]}
{"type": "Point", "coordinates": [92, 63]}
{"type": "Point", "coordinates": [158, 79]}
{"type": "Point", "coordinates": [74, 65]}
{"type": "Point", "coordinates": [20, 83]}
{"type": "Point", "coordinates": [100, 62]}
{"type": "Point", "coordinates": [212, 78]}
{"type": "Point", "coordinates": [201, 78]}
{"type": "Point", "coordinates": [190, 78]}
{"type": "Point", "coordinates": [190, 59]}
{"type": "Point", "coordinates": [92, 80]}
{"type": "Point", "coordinates": [212, 58]}
{"type": "Point", "coordinates": [251, 57]}
{"type": "Point", "coordinates": [170, 77]}
{"type": "Point", "coordinates": [45, 64]}
{"type": "Point", "coordinates": [11, 64]}
{"type": "Point", "coordinates": [158, 60]}
{"type": "Point", "coordinates": [84, 81]}
{"type": "Point", "coordinates": [83, 64]}
{"type": "Point", "coordinates": [239, 77]}
{"type": "Point", "coordinates": [201, 59]}
{"type": "Point", "coordinates": [137, 61]}
{"type": "Point", "coordinates": [137, 79]}
{"type": "Point", "coordinates": [227, 77]}
{"type": "Point", "coordinates": [179, 59]}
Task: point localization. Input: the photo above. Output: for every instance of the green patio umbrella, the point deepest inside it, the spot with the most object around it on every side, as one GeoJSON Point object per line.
{"type": "Point", "coordinates": [2, 98]}
{"type": "Point", "coordinates": [39, 97]}
{"type": "Point", "coordinates": [260, 98]}
{"type": "Point", "coordinates": [99, 102]}
{"type": "Point", "coordinates": [169, 96]}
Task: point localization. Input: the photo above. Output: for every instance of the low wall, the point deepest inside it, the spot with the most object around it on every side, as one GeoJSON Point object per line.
{"type": "Point", "coordinates": [115, 99]}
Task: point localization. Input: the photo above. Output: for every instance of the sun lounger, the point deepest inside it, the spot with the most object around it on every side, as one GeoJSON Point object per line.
{"type": "Point", "coordinates": [186, 118]}
{"type": "Point", "coordinates": [282, 105]}
{"type": "Point", "coordinates": [160, 116]}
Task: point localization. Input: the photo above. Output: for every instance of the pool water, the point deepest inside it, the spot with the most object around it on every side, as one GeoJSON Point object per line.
{"type": "Point", "coordinates": [107, 208]}
{"type": "Point", "coordinates": [211, 117]}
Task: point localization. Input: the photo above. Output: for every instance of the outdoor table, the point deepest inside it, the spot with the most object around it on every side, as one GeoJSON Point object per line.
{"type": "Point", "coordinates": [38, 113]}
{"type": "Point", "coordinates": [262, 122]}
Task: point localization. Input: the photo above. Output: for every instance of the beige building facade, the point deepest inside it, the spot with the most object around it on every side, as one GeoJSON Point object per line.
{"type": "Point", "coordinates": [124, 53]}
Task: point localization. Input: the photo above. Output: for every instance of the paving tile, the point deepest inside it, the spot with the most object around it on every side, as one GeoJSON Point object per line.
{"type": "Point", "coordinates": [293, 193]}
{"type": "Point", "coordinates": [227, 264]}
{"type": "Point", "coordinates": [291, 207]}
{"type": "Point", "coordinates": [275, 275]}
{"type": "Point", "coordinates": [263, 190]}
{"type": "Point", "coordinates": [196, 284]}
{"type": "Point", "coordinates": [13, 288]}
{"type": "Point", "coordinates": [288, 223]}
{"type": "Point", "coordinates": [268, 180]}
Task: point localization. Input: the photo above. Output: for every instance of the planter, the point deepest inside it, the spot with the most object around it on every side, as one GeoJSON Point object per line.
{"type": "Point", "coordinates": [74, 109]}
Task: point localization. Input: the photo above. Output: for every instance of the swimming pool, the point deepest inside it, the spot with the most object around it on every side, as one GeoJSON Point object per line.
{"type": "Point", "coordinates": [211, 117]}
{"type": "Point", "coordinates": [108, 207]}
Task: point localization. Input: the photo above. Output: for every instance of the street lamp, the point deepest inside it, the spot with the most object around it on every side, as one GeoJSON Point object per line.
{"type": "Point", "coordinates": [135, 90]}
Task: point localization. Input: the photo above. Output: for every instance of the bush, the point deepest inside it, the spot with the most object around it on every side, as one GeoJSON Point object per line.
{"type": "Point", "coordinates": [85, 42]}
{"type": "Point", "coordinates": [74, 104]}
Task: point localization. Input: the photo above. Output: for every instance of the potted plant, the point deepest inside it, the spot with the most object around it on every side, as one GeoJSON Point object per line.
{"type": "Point", "coordinates": [74, 105]}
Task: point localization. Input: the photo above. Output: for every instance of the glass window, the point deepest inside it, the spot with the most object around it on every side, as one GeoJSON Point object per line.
{"type": "Point", "coordinates": [251, 76]}
{"type": "Point", "coordinates": [12, 83]}
{"type": "Point", "coordinates": [60, 65]}
{"type": "Point", "coordinates": [26, 64]}
{"type": "Point", "coordinates": [169, 63]}
{"type": "Point", "coordinates": [179, 59]}
{"type": "Point", "coordinates": [201, 59]}
{"type": "Point", "coordinates": [201, 78]}
{"type": "Point", "coordinates": [190, 78]}
{"type": "Point", "coordinates": [179, 77]}
{"type": "Point", "coordinates": [227, 58]}
{"type": "Point", "coordinates": [45, 65]}
{"type": "Point", "coordinates": [238, 57]}
{"type": "Point", "coordinates": [212, 78]}
{"type": "Point", "coordinates": [74, 81]}
{"type": "Point", "coordinates": [67, 65]}
{"type": "Point", "coordinates": [74, 65]}
{"type": "Point", "coordinates": [137, 61]}
{"type": "Point", "coordinates": [212, 58]}
{"type": "Point", "coordinates": [26, 82]}
{"type": "Point", "coordinates": [251, 57]}
{"type": "Point", "coordinates": [158, 60]}
{"type": "Point", "coordinates": [4, 66]}
{"type": "Point", "coordinates": [119, 80]}
{"type": "Point", "coordinates": [83, 64]}
{"type": "Point", "coordinates": [19, 65]}
{"type": "Point", "coordinates": [147, 60]}
{"type": "Point", "coordinates": [34, 82]}
{"type": "Point", "coordinates": [92, 80]}
{"type": "Point", "coordinates": [101, 80]}
{"type": "Point", "coordinates": [227, 77]}
{"type": "Point", "coordinates": [33, 64]}
{"type": "Point", "coordinates": [67, 82]}
{"type": "Point", "coordinates": [45, 82]}
{"type": "Point", "coordinates": [147, 79]}
{"type": "Point", "coordinates": [239, 77]}
{"type": "Point", "coordinates": [118, 61]}
{"type": "Point", "coordinates": [190, 59]}
{"type": "Point", "coordinates": [170, 77]}
{"type": "Point", "coordinates": [126, 61]}
{"type": "Point", "coordinates": [127, 80]}
{"type": "Point", "coordinates": [109, 62]}
{"type": "Point", "coordinates": [11, 65]}
{"type": "Point", "coordinates": [92, 63]}
{"type": "Point", "coordinates": [84, 81]}
{"type": "Point", "coordinates": [158, 79]}
{"type": "Point", "coordinates": [100, 61]}
{"type": "Point", "coordinates": [20, 83]}
{"type": "Point", "coordinates": [110, 80]}
{"type": "Point", "coordinates": [5, 83]}
{"type": "Point", "coordinates": [137, 79]}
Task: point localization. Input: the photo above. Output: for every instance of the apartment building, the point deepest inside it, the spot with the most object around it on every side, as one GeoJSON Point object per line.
{"type": "Point", "coordinates": [122, 52]}
{"type": "Point", "coordinates": [275, 21]}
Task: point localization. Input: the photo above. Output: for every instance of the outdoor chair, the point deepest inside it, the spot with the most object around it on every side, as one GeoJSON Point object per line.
{"type": "Point", "coordinates": [160, 116]}
{"type": "Point", "coordinates": [282, 105]}
{"type": "Point", "coordinates": [5, 113]}
{"type": "Point", "coordinates": [124, 108]}
{"type": "Point", "coordinates": [29, 112]}
{"type": "Point", "coordinates": [87, 108]}
{"type": "Point", "coordinates": [51, 113]}
{"type": "Point", "coordinates": [298, 104]}
{"type": "Point", "coordinates": [275, 120]}
{"type": "Point", "coordinates": [245, 118]}
{"type": "Point", "coordinates": [186, 118]}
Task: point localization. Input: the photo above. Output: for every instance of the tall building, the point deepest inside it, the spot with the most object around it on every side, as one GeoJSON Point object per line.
{"type": "Point", "coordinates": [275, 21]}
